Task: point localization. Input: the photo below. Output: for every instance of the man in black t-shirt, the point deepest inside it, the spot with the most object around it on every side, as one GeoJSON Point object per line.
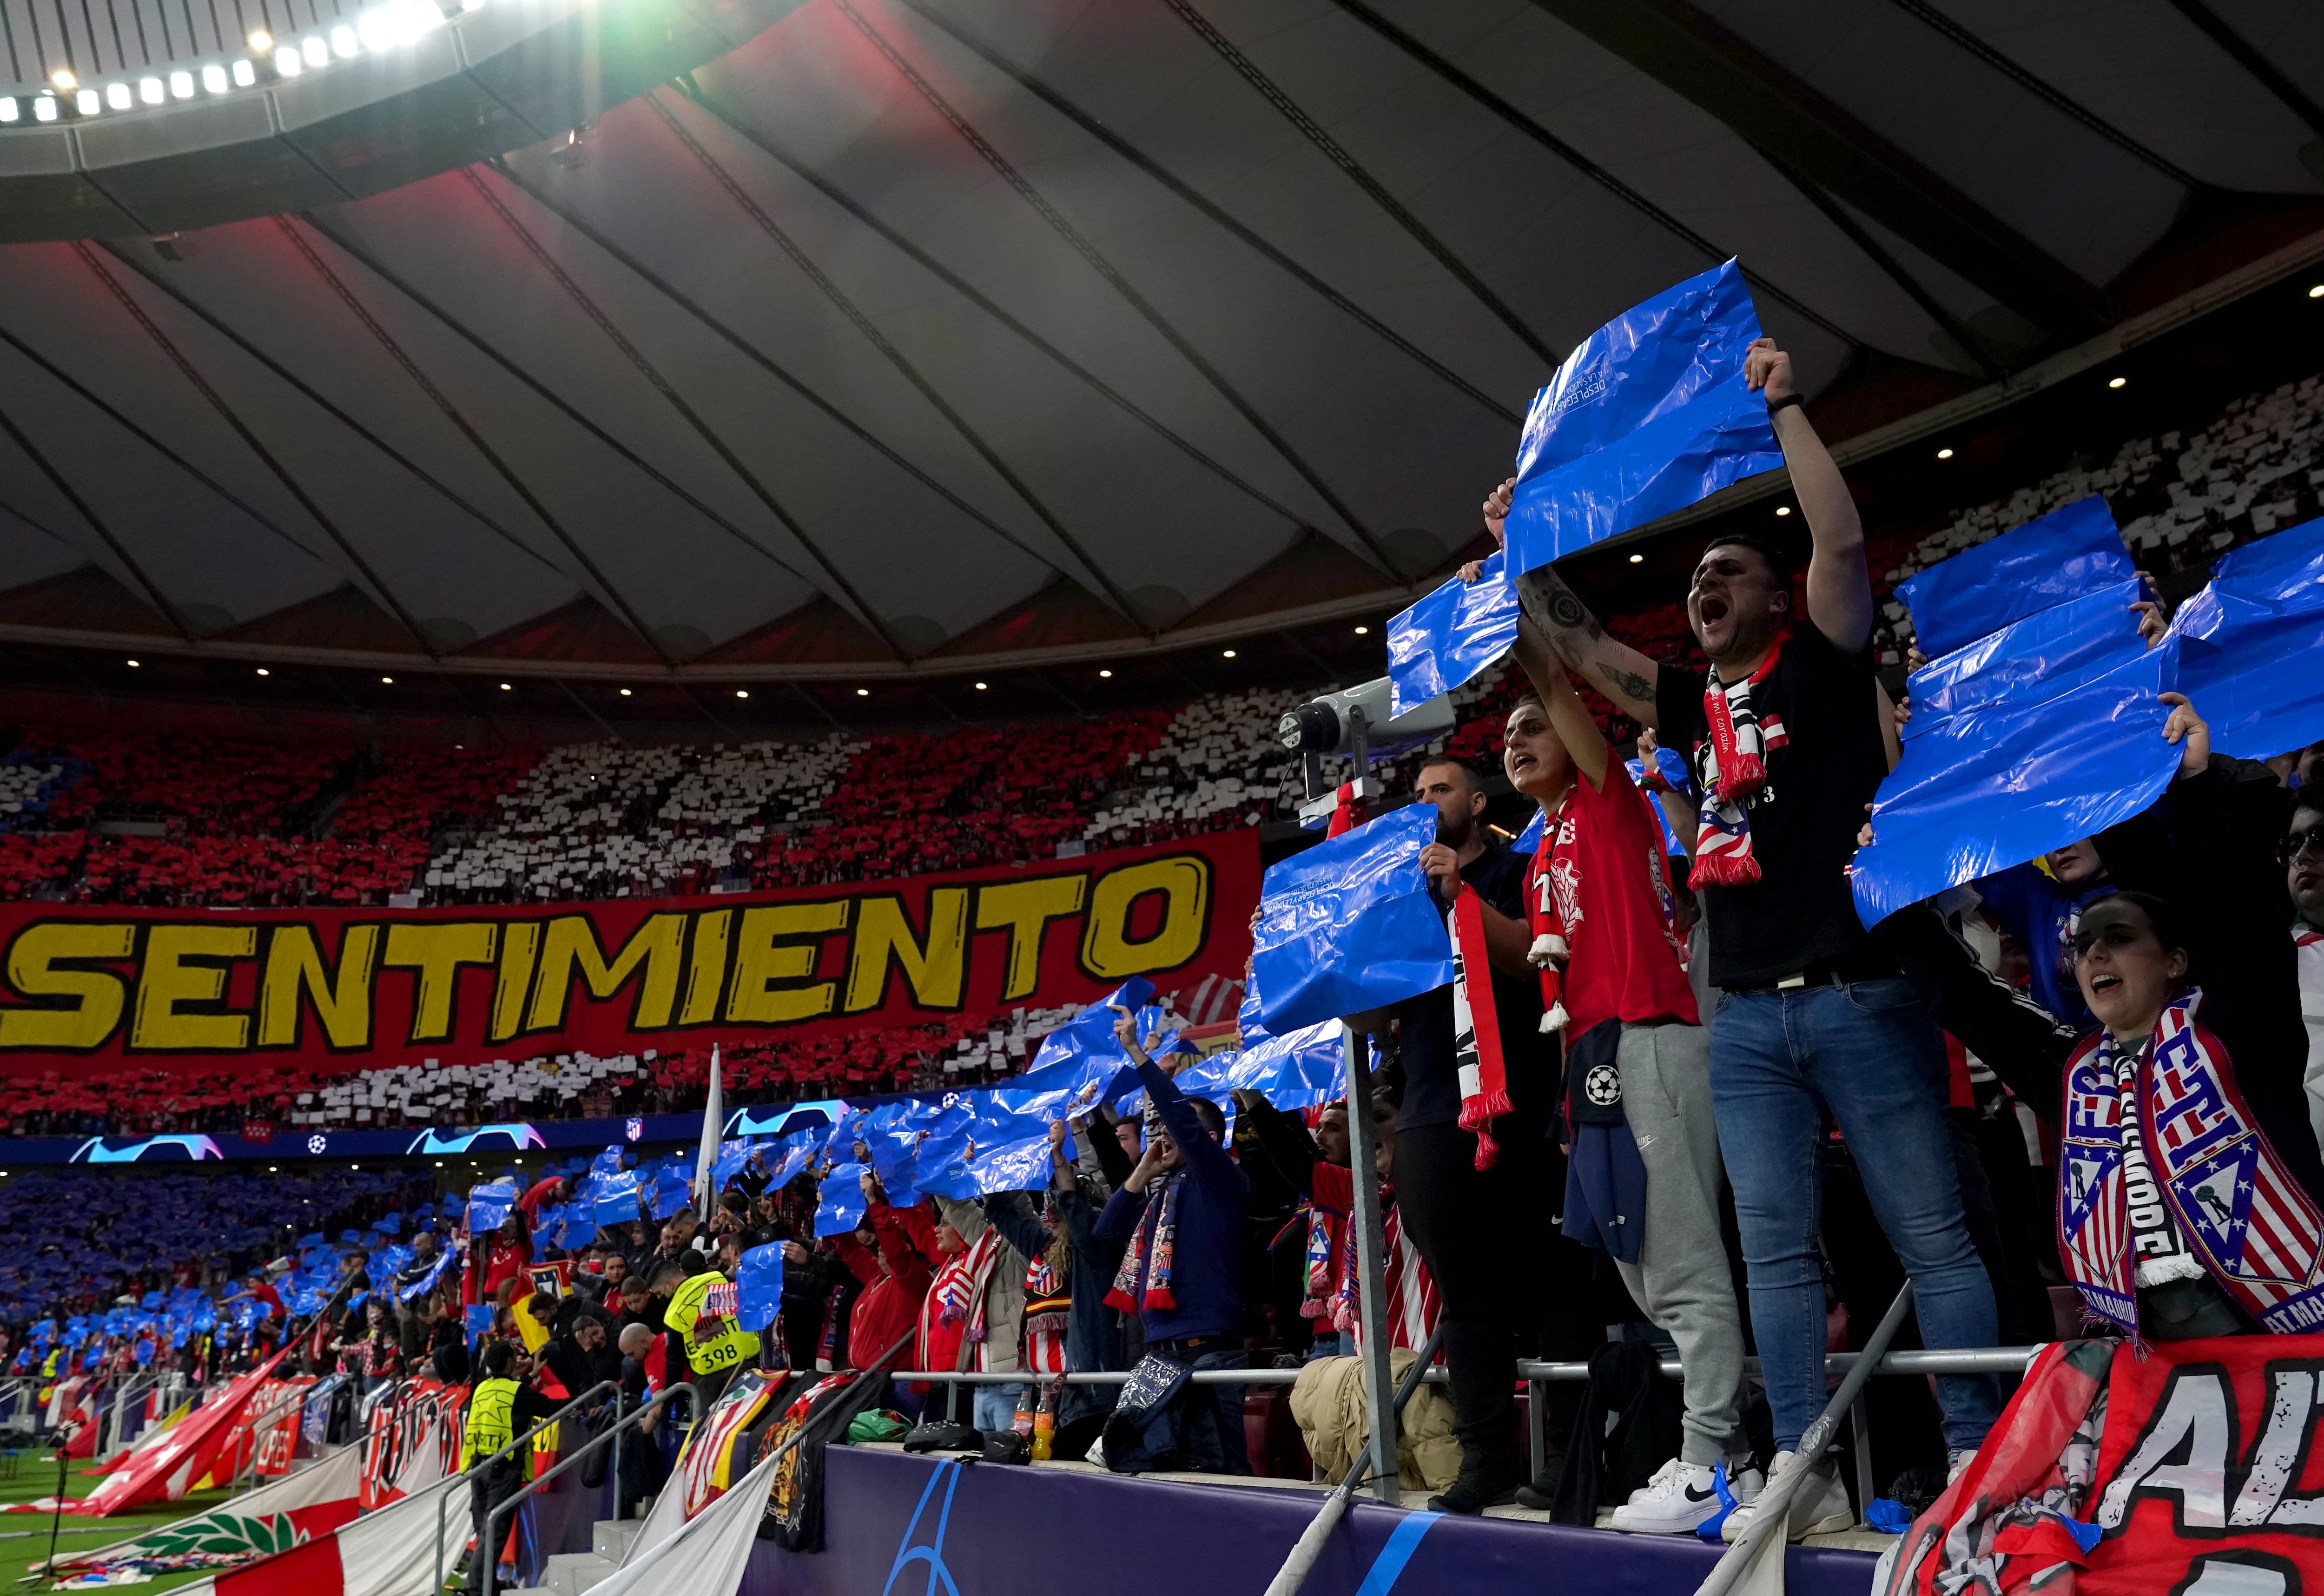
{"type": "Point", "coordinates": [1814, 1022]}
{"type": "Point", "coordinates": [1511, 1285]}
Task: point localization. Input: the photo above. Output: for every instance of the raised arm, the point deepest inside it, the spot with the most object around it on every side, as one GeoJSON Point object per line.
{"type": "Point", "coordinates": [1625, 676]}
{"type": "Point", "coordinates": [1839, 587]}
{"type": "Point", "coordinates": [1585, 744]}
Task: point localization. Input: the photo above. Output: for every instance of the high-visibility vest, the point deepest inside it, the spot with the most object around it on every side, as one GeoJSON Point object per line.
{"type": "Point", "coordinates": [713, 1339]}
{"type": "Point", "coordinates": [492, 1422]}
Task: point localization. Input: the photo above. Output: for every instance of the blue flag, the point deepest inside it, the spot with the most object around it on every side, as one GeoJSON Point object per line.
{"type": "Point", "coordinates": [1649, 415]}
{"type": "Point", "coordinates": [1451, 636]}
{"type": "Point", "coordinates": [1295, 1072]}
{"type": "Point", "coordinates": [2037, 658]}
{"type": "Point", "coordinates": [2064, 555]}
{"type": "Point", "coordinates": [615, 1197]}
{"type": "Point", "coordinates": [759, 1286]}
{"type": "Point", "coordinates": [2253, 641]}
{"type": "Point", "coordinates": [1350, 924]}
{"type": "Point", "coordinates": [671, 1189]}
{"type": "Point", "coordinates": [788, 1158]}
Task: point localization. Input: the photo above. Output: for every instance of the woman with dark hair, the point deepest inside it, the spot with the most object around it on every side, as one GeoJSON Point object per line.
{"type": "Point", "coordinates": [2176, 1216]}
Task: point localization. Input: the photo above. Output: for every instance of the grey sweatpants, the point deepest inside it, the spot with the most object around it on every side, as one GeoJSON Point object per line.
{"type": "Point", "coordinates": [1681, 1277]}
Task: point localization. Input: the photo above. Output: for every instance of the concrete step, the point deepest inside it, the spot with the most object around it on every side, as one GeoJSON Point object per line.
{"type": "Point", "coordinates": [612, 1537]}
{"type": "Point", "coordinates": [570, 1573]}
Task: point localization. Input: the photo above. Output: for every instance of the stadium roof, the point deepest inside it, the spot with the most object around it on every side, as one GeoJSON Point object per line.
{"type": "Point", "coordinates": [923, 336]}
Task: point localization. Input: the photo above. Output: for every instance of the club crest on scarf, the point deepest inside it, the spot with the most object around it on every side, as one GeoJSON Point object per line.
{"type": "Point", "coordinates": [2217, 1191]}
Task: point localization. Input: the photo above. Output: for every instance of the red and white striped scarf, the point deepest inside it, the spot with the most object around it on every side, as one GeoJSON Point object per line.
{"type": "Point", "coordinates": [2213, 1187]}
{"type": "Point", "coordinates": [1477, 1028]}
{"type": "Point", "coordinates": [960, 1291]}
{"type": "Point", "coordinates": [1732, 767]}
{"type": "Point", "coordinates": [1413, 1304]}
{"type": "Point", "coordinates": [1553, 908]}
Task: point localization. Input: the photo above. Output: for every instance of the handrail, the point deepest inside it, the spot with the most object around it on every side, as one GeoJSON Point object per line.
{"type": "Point", "coordinates": [612, 1432]}
{"type": "Point", "coordinates": [523, 1439]}
{"type": "Point", "coordinates": [287, 1400]}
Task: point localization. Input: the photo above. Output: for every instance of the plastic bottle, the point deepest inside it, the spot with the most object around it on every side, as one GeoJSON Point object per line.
{"type": "Point", "coordinates": [1024, 1421]}
{"type": "Point", "coordinates": [1045, 1424]}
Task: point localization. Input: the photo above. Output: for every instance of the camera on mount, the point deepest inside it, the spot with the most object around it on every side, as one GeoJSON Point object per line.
{"type": "Point", "coordinates": [1357, 722]}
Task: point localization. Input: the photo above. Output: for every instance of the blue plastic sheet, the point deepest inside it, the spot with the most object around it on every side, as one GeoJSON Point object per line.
{"type": "Point", "coordinates": [1447, 638]}
{"type": "Point", "coordinates": [1648, 416]}
{"type": "Point", "coordinates": [2253, 643]}
{"type": "Point", "coordinates": [1307, 1067]}
{"type": "Point", "coordinates": [759, 1286]}
{"type": "Point", "coordinates": [2038, 658]}
{"type": "Point", "coordinates": [1983, 791]}
{"type": "Point", "coordinates": [489, 1205]}
{"type": "Point", "coordinates": [671, 1189]}
{"type": "Point", "coordinates": [1350, 924]}
{"type": "Point", "coordinates": [1065, 1052]}
{"type": "Point", "coordinates": [2063, 555]}
{"type": "Point", "coordinates": [732, 1157]}
{"type": "Point", "coordinates": [615, 1197]}
{"type": "Point", "coordinates": [788, 1158]}
{"type": "Point", "coordinates": [841, 1205]}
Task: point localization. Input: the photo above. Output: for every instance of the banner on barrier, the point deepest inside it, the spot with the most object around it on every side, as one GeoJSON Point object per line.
{"type": "Point", "coordinates": [90, 987]}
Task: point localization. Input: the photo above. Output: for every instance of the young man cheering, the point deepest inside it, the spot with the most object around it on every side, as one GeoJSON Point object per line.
{"type": "Point", "coordinates": [1814, 1022]}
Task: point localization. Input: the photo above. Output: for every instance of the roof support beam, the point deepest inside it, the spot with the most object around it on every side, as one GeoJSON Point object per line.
{"type": "Point", "coordinates": [677, 401]}
{"type": "Point", "coordinates": [2251, 60]}
{"type": "Point", "coordinates": [201, 384]}
{"type": "Point", "coordinates": [452, 324]}
{"type": "Point", "coordinates": [58, 480]}
{"type": "Point", "coordinates": [1773, 110]}
{"type": "Point", "coordinates": [758, 140]}
{"type": "Point", "coordinates": [452, 413]}
{"type": "Point", "coordinates": [1397, 211]}
{"type": "Point", "coordinates": [1121, 285]}
{"type": "Point", "coordinates": [1509, 113]}
{"type": "Point", "coordinates": [880, 340]}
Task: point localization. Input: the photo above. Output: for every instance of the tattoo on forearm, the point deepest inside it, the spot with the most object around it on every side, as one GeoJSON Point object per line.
{"type": "Point", "coordinates": [1544, 597]}
{"type": "Point", "coordinates": [1628, 682]}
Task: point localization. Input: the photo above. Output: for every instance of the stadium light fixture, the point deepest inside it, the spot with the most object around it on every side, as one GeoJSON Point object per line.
{"type": "Point", "coordinates": [1363, 631]}
{"type": "Point", "coordinates": [214, 79]}
{"type": "Point", "coordinates": [1637, 559]}
{"type": "Point", "coordinates": [2317, 293]}
{"type": "Point", "coordinates": [1782, 509]}
{"type": "Point", "coordinates": [862, 692]}
{"type": "Point", "coordinates": [132, 665]}
{"type": "Point", "coordinates": [245, 75]}
{"type": "Point", "coordinates": [9, 110]}
{"type": "Point", "coordinates": [119, 96]}
{"type": "Point", "coordinates": [980, 687]}
{"type": "Point", "coordinates": [742, 692]}
{"type": "Point", "coordinates": [44, 107]}
{"type": "Point", "coordinates": [625, 692]}
{"type": "Point", "coordinates": [1226, 654]}
{"type": "Point", "coordinates": [262, 670]}
{"type": "Point", "coordinates": [1944, 453]}
{"type": "Point", "coordinates": [315, 51]}
{"type": "Point", "coordinates": [387, 681]}
{"type": "Point", "coordinates": [261, 41]}
{"type": "Point", "coordinates": [63, 81]}
{"type": "Point", "coordinates": [151, 92]}
{"type": "Point", "coordinates": [181, 86]}
{"type": "Point", "coordinates": [88, 102]}
{"type": "Point", "coordinates": [2116, 382]}
{"type": "Point", "coordinates": [1105, 673]}
{"type": "Point", "coordinates": [506, 689]}
{"type": "Point", "coordinates": [288, 63]}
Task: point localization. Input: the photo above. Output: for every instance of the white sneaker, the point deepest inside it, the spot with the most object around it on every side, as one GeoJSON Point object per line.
{"type": "Point", "coordinates": [1679, 1497]}
{"type": "Point", "coordinates": [1819, 1507]}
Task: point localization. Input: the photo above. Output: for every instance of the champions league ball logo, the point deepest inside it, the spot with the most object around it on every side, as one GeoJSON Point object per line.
{"type": "Point", "coordinates": [1603, 1085]}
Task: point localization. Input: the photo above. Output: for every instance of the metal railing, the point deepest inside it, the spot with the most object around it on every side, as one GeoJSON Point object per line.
{"type": "Point", "coordinates": [612, 1434]}
{"type": "Point", "coordinates": [523, 1439]}
{"type": "Point", "coordinates": [1538, 1374]}
{"type": "Point", "coordinates": [287, 1402]}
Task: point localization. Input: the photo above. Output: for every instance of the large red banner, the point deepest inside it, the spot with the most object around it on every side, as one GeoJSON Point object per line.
{"type": "Point", "coordinates": [83, 989]}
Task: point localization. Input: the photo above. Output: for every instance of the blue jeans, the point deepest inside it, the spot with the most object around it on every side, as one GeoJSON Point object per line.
{"type": "Point", "coordinates": [1868, 1056]}
{"type": "Point", "coordinates": [996, 1406]}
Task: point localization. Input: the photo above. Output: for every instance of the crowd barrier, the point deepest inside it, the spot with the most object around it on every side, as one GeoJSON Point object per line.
{"type": "Point", "coordinates": [1536, 1374]}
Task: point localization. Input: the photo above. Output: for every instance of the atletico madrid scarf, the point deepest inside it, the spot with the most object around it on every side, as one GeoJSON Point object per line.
{"type": "Point", "coordinates": [2160, 1158]}
{"type": "Point", "coordinates": [1554, 909]}
{"type": "Point", "coordinates": [1732, 767]}
{"type": "Point", "coordinates": [1152, 1247]}
{"type": "Point", "coordinates": [1477, 1028]}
